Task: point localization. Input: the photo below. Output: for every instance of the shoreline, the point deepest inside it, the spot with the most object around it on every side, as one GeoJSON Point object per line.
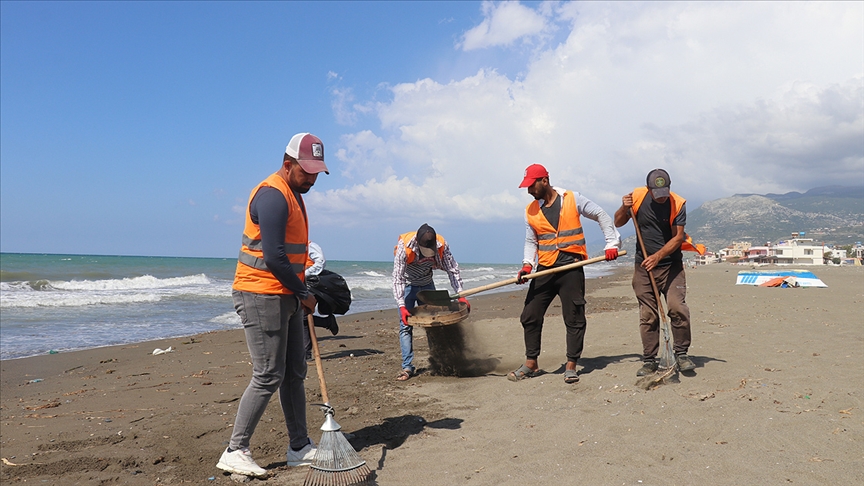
{"type": "Point", "coordinates": [378, 304]}
{"type": "Point", "coordinates": [775, 397]}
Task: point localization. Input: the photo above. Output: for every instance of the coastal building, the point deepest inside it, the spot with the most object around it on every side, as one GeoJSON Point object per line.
{"type": "Point", "coordinates": [736, 251]}
{"type": "Point", "coordinates": [798, 250]}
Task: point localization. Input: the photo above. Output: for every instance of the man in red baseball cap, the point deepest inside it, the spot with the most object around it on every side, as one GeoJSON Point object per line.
{"type": "Point", "coordinates": [554, 238]}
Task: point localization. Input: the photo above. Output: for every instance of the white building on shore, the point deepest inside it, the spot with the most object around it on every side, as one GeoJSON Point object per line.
{"type": "Point", "coordinates": [796, 251]}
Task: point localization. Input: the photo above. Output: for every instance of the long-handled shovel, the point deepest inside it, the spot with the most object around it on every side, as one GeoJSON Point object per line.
{"type": "Point", "coordinates": [443, 297]}
{"type": "Point", "coordinates": [667, 363]}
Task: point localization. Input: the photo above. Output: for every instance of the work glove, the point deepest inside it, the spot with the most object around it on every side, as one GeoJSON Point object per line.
{"type": "Point", "coordinates": [611, 254]}
{"type": "Point", "coordinates": [526, 269]}
{"type": "Point", "coordinates": [465, 301]}
{"type": "Point", "coordinates": [403, 315]}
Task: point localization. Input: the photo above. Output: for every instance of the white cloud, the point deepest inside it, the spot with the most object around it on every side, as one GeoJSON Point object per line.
{"type": "Point", "coordinates": [342, 98]}
{"type": "Point", "coordinates": [804, 136]}
{"type": "Point", "coordinates": [699, 88]}
{"type": "Point", "coordinates": [504, 23]}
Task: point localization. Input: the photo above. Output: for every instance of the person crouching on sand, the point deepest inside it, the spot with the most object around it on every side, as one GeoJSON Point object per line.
{"type": "Point", "coordinates": [416, 254]}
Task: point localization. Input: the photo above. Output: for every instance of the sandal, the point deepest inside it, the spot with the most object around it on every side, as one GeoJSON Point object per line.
{"type": "Point", "coordinates": [521, 373]}
{"type": "Point", "coordinates": [404, 375]}
{"type": "Point", "coordinates": [570, 376]}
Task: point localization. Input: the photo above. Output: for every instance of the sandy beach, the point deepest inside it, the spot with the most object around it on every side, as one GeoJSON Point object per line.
{"type": "Point", "coordinates": [776, 398]}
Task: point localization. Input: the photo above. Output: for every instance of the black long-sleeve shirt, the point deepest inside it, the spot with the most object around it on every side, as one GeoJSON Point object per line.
{"type": "Point", "coordinates": [269, 211]}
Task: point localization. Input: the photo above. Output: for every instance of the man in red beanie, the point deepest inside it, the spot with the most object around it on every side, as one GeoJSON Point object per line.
{"type": "Point", "coordinates": [554, 238]}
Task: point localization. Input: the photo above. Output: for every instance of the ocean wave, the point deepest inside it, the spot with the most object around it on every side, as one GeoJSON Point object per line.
{"type": "Point", "coordinates": [373, 273]}
{"type": "Point", "coordinates": [478, 269]}
{"type": "Point", "coordinates": [75, 299]}
{"type": "Point", "coordinates": [228, 318]}
{"type": "Point", "coordinates": [135, 283]}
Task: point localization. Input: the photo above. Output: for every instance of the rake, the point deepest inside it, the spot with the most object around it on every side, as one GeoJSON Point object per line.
{"type": "Point", "coordinates": [336, 463]}
{"type": "Point", "coordinates": [667, 363]}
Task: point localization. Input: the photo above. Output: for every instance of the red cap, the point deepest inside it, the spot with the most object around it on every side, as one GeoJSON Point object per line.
{"type": "Point", "coordinates": [308, 150]}
{"type": "Point", "coordinates": [532, 173]}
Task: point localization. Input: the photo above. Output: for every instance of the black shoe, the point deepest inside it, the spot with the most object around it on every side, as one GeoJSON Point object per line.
{"type": "Point", "coordinates": [648, 367]}
{"type": "Point", "coordinates": [327, 322]}
{"type": "Point", "coordinates": [684, 362]}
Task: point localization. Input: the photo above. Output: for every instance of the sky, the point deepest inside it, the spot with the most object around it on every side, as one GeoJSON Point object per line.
{"type": "Point", "coordinates": [139, 128]}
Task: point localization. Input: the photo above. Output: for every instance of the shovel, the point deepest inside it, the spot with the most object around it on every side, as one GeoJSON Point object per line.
{"type": "Point", "coordinates": [443, 297]}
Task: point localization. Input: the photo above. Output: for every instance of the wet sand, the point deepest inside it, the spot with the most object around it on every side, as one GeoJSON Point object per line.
{"type": "Point", "coordinates": [776, 398]}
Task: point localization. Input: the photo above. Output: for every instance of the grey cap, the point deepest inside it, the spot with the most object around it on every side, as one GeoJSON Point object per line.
{"type": "Point", "coordinates": [658, 182]}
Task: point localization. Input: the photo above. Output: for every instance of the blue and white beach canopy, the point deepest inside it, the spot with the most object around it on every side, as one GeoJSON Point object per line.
{"type": "Point", "coordinates": [803, 278]}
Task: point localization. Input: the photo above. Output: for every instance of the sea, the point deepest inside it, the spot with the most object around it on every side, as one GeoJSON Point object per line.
{"type": "Point", "coordinates": [60, 303]}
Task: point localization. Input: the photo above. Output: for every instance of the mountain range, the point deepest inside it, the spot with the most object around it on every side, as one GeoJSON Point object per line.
{"type": "Point", "coordinates": [833, 215]}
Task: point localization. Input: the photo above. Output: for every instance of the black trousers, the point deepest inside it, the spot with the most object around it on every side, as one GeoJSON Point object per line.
{"type": "Point", "coordinates": [569, 286]}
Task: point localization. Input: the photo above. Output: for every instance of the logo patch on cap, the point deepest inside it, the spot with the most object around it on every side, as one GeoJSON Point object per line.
{"type": "Point", "coordinates": [659, 182]}
{"type": "Point", "coordinates": [317, 150]}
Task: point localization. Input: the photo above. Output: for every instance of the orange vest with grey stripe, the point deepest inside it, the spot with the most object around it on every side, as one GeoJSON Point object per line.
{"type": "Point", "coordinates": [409, 253]}
{"type": "Point", "coordinates": [677, 202]}
{"type": "Point", "coordinates": [252, 275]}
{"type": "Point", "coordinates": [567, 238]}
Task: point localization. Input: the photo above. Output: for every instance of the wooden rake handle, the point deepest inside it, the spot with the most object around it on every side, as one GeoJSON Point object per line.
{"type": "Point", "coordinates": [315, 352]}
{"type": "Point", "coordinates": [541, 273]}
{"type": "Point", "coordinates": [660, 311]}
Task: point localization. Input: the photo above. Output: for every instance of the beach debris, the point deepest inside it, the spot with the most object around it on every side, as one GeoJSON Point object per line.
{"type": "Point", "coordinates": [158, 351]}
{"type": "Point", "coordinates": [47, 405]}
{"type": "Point", "coordinates": [53, 351]}
{"type": "Point", "coordinates": [779, 278]}
{"type": "Point", "coordinates": [8, 463]}
{"type": "Point", "coordinates": [37, 380]}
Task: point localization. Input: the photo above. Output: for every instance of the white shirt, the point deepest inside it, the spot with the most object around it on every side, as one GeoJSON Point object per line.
{"type": "Point", "coordinates": [318, 260]}
{"type": "Point", "coordinates": [419, 272]}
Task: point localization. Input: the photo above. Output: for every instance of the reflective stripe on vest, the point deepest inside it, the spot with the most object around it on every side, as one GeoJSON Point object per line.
{"type": "Point", "coordinates": [405, 238]}
{"type": "Point", "coordinates": [252, 274]}
{"type": "Point", "coordinates": [569, 236]}
{"type": "Point", "coordinates": [677, 203]}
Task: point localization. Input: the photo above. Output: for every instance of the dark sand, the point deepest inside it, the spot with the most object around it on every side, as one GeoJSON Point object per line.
{"type": "Point", "coordinates": [776, 398]}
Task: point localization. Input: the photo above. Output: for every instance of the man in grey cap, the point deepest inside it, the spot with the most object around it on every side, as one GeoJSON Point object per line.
{"type": "Point", "coordinates": [661, 219]}
{"type": "Point", "coordinates": [270, 296]}
{"type": "Point", "coordinates": [415, 256]}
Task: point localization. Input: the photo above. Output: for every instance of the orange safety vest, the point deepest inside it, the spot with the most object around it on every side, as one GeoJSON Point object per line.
{"type": "Point", "coordinates": [252, 274]}
{"type": "Point", "coordinates": [677, 202]}
{"type": "Point", "coordinates": [405, 238]}
{"type": "Point", "coordinates": [567, 238]}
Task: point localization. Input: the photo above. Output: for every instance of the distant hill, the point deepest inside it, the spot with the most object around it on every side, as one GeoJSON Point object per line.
{"type": "Point", "coordinates": [831, 215]}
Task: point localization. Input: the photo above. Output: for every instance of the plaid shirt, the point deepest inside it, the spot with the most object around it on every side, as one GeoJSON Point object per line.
{"type": "Point", "coordinates": [419, 272]}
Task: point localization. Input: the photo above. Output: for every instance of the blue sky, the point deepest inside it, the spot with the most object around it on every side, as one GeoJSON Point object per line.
{"type": "Point", "coordinates": [139, 128]}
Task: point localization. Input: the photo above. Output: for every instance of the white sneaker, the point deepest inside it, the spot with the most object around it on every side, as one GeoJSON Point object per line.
{"type": "Point", "coordinates": [240, 462]}
{"type": "Point", "coordinates": [303, 457]}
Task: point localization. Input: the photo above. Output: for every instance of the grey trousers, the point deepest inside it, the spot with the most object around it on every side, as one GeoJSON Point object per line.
{"type": "Point", "coordinates": [274, 335]}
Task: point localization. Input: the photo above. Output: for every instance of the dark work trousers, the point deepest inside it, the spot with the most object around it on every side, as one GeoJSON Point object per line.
{"type": "Point", "coordinates": [569, 286]}
{"type": "Point", "coordinates": [672, 284]}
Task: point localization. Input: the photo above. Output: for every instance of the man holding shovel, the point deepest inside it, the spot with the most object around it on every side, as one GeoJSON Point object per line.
{"type": "Point", "coordinates": [660, 219]}
{"type": "Point", "coordinates": [554, 238]}
{"type": "Point", "coordinates": [415, 256]}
